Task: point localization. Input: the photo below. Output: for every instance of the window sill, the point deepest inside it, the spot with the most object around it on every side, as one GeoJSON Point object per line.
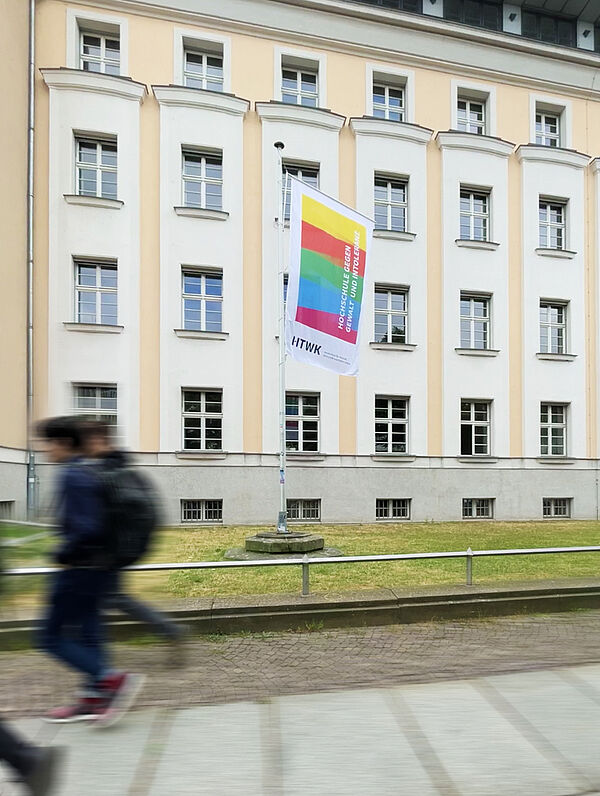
{"type": "Point", "coordinates": [93, 201]}
{"type": "Point", "coordinates": [298, 456]}
{"type": "Point", "coordinates": [392, 234]}
{"type": "Point", "coordinates": [198, 335]}
{"type": "Point", "coordinates": [477, 352]}
{"type": "Point", "coordinates": [486, 245]}
{"type": "Point", "coordinates": [392, 457]}
{"type": "Point", "coordinates": [393, 346]}
{"type": "Point", "coordinates": [477, 458]}
{"type": "Point", "coordinates": [555, 460]}
{"type": "Point", "coordinates": [97, 328]}
{"type": "Point", "coordinates": [201, 212]}
{"type": "Point", "coordinates": [201, 454]}
{"type": "Point", "coordinates": [563, 254]}
{"type": "Point", "coordinates": [557, 357]}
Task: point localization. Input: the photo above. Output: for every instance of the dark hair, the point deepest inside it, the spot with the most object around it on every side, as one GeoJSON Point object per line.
{"type": "Point", "coordinates": [63, 428]}
{"type": "Point", "coordinates": [89, 426]}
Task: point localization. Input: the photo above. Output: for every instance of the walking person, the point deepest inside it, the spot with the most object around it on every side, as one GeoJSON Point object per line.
{"type": "Point", "coordinates": [98, 445]}
{"type": "Point", "coordinates": [71, 629]}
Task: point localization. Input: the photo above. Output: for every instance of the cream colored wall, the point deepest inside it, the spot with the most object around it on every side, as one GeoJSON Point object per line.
{"type": "Point", "coordinates": [13, 226]}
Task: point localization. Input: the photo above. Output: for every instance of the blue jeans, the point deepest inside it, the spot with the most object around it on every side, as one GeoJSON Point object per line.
{"type": "Point", "coordinates": [71, 629]}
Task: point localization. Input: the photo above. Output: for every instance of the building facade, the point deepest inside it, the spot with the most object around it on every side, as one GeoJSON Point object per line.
{"type": "Point", "coordinates": [467, 129]}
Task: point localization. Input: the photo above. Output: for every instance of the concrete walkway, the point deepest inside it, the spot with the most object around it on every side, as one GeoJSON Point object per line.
{"type": "Point", "coordinates": [533, 733]}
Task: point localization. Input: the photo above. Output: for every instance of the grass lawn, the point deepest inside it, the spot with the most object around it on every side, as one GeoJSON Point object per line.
{"type": "Point", "coordinates": [210, 543]}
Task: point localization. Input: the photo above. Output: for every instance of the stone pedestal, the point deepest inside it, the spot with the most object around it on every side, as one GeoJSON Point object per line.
{"type": "Point", "coordinates": [271, 542]}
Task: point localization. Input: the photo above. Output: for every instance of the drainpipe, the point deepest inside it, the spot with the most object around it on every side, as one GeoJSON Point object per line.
{"type": "Point", "coordinates": [31, 476]}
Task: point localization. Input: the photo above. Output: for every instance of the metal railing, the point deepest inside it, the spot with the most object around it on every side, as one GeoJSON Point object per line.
{"type": "Point", "coordinates": [305, 562]}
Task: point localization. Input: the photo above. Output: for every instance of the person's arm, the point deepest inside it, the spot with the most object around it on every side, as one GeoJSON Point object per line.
{"type": "Point", "coordinates": [83, 513]}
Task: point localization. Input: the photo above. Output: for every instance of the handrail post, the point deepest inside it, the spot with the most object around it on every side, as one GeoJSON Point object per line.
{"type": "Point", "coordinates": [305, 576]}
{"type": "Point", "coordinates": [469, 567]}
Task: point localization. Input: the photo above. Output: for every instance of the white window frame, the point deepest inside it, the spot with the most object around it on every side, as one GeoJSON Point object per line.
{"type": "Point", "coordinates": [203, 180]}
{"type": "Point", "coordinates": [98, 167]}
{"type": "Point", "coordinates": [550, 426]}
{"type": "Point", "coordinates": [97, 289]}
{"type": "Point", "coordinates": [102, 60]}
{"type": "Point", "coordinates": [540, 103]}
{"type": "Point", "coordinates": [550, 226]}
{"type": "Point", "coordinates": [396, 509]}
{"type": "Point", "coordinates": [392, 180]}
{"type": "Point", "coordinates": [543, 137]}
{"type": "Point", "coordinates": [188, 38]}
{"type": "Point", "coordinates": [477, 506]}
{"type": "Point", "coordinates": [475, 92]}
{"type": "Point", "coordinates": [473, 319]}
{"type": "Point", "coordinates": [395, 78]}
{"type": "Point", "coordinates": [391, 290]}
{"type": "Point", "coordinates": [203, 415]}
{"type": "Point", "coordinates": [301, 419]}
{"type": "Point", "coordinates": [472, 214]}
{"type": "Point", "coordinates": [202, 298]}
{"type": "Point", "coordinates": [304, 509]}
{"type": "Point", "coordinates": [551, 504]}
{"type": "Point", "coordinates": [202, 508]}
{"type": "Point", "coordinates": [95, 24]}
{"type": "Point", "coordinates": [97, 411]}
{"type": "Point", "coordinates": [300, 59]}
{"type": "Point", "coordinates": [473, 423]}
{"type": "Point", "coordinates": [549, 325]}
{"type": "Point", "coordinates": [390, 421]}
{"type": "Point", "coordinates": [288, 166]}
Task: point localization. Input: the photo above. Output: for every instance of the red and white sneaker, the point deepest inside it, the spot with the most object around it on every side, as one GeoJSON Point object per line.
{"type": "Point", "coordinates": [86, 709]}
{"type": "Point", "coordinates": [121, 690]}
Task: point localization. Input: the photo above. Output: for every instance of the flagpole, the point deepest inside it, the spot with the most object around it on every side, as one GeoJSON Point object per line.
{"type": "Point", "coordinates": [282, 516]}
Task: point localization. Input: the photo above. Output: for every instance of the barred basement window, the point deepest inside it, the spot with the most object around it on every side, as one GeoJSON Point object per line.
{"type": "Point", "coordinates": [304, 510]}
{"type": "Point", "coordinates": [392, 509]}
{"type": "Point", "coordinates": [201, 511]}
{"type": "Point", "coordinates": [556, 507]}
{"type": "Point", "coordinates": [478, 508]}
{"type": "Point", "coordinates": [6, 509]}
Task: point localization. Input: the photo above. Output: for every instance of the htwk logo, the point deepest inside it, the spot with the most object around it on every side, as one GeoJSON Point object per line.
{"type": "Point", "coordinates": [312, 348]}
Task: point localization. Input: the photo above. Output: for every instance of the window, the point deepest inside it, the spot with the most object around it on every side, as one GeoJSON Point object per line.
{"type": "Point", "coordinates": [414, 6]}
{"type": "Point", "coordinates": [391, 203]}
{"type": "Point", "coordinates": [286, 280]}
{"type": "Point", "coordinates": [552, 219]}
{"type": "Point", "coordinates": [477, 508]}
{"type": "Point", "coordinates": [474, 12]}
{"type": "Point", "coordinates": [388, 100]}
{"type": "Point", "coordinates": [553, 429]}
{"type": "Point", "coordinates": [202, 179]}
{"type": "Point", "coordinates": [100, 53]}
{"type": "Point", "coordinates": [202, 420]}
{"type": "Point", "coordinates": [556, 507]}
{"type": "Point", "coordinates": [392, 509]}
{"type": "Point", "coordinates": [6, 509]}
{"type": "Point", "coordinates": [548, 28]}
{"type": "Point", "coordinates": [202, 301]}
{"type": "Point", "coordinates": [391, 315]}
{"type": "Point", "coordinates": [308, 510]}
{"type": "Point", "coordinates": [474, 214]}
{"type": "Point", "coordinates": [307, 174]}
{"type": "Point", "coordinates": [96, 401]}
{"type": "Point", "coordinates": [96, 292]}
{"type": "Point", "coordinates": [302, 423]}
{"type": "Point", "coordinates": [474, 321]}
{"type": "Point", "coordinates": [203, 69]}
{"type": "Point", "coordinates": [547, 129]}
{"type": "Point", "coordinates": [474, 428]}
{"type": "Point", "coordinates": [299, 85]}
{"type": "Point", "coordinates": [553, 327]}
{"type": "Point", "coordinates": [96, 167]}
{"type": "Point", "coordinates": [201, 511]}
{"type": "Point", "coordinates": [470, 115]}
{"type": "Point", "coordinates": [391, 424]}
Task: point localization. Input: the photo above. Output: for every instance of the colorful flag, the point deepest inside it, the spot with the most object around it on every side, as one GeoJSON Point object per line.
{"type": "Point", "coordinates": [329, 246]}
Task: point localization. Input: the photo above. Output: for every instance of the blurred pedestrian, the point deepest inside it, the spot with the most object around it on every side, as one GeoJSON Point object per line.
{"type": "Point", "coordinates": [71, 629]}
{"type": "Point", "coordinates": [115, 466]}
{"type": "Point", "coordinates": [36, 767]}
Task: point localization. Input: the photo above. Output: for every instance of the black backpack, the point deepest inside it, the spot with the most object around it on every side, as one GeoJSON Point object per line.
{"type": "Point", "coordinates": [131, 512]}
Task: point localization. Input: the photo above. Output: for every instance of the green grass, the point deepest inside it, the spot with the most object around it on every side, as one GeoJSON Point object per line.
{"type": "Point", "coordinates": [210, 544]}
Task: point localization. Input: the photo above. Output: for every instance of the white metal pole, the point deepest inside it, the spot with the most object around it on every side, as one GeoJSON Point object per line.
{"type": "Point", "coordinates": [282, 517]}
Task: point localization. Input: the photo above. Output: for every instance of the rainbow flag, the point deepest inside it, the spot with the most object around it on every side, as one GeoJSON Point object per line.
{"type": "Point", "coordinates": [328, 258]}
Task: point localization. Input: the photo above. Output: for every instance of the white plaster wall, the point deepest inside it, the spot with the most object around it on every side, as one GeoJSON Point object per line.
{"type": "Point", "coordinates": [394, 262]}
{"type": "Point", "coordinates": [94, 232]}
{"type": "Point", "coordinates": [553, 277]}
{"type": "Point", "coordinates": [480, 271]}
{"type": "Point", "coordinates": [198, 363]}
{"type": "Point", "coordinates": [313, 145]}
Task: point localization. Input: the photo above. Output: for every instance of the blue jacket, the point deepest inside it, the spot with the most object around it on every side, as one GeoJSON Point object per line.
{"type": "Point", "coordinates": [81, 516]}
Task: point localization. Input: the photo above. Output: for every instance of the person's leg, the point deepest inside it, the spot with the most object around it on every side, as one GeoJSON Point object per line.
{"type": "Point", "coordinates": [35, 766]}
{"type": "Point", "coordinates": [15, 750]}
{"type": "Point", "coordinates": [118, 599]}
